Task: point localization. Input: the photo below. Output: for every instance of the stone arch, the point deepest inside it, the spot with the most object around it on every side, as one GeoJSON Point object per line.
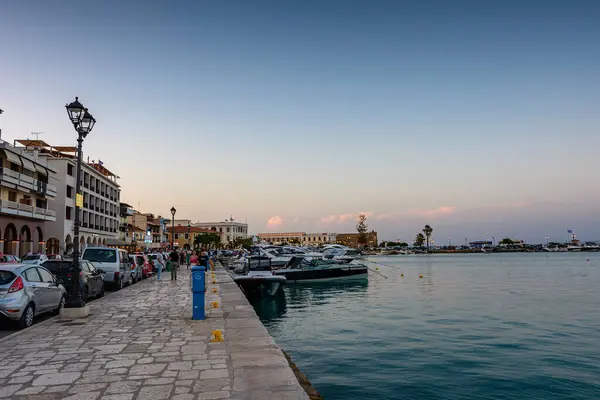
{"type": "Point", "coordinates": [10, 238]}
{"type": "Point", "coordinates": [89, 240]}
{"type": "Point", "coordinates": [53, 246]}
{"type": "Point", "coordinates": [68, 244]}
{"type": "Point", "coordinates": [25, 235]}
{"type": "Point", "coordinates": [213, 229]}
{"type": "Point", "coordinates": [40, 234]}
{"type": "Point", "coordinates": [104, 242]}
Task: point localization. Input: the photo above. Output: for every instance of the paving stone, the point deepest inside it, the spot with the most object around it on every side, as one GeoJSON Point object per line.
{"type": "Point", "coordinates": [182, 389]}
{"type": "Point", "coordinates": [117, 397]}
{"type": "Point", "coordinates": [124, 387]}
{"type": "Point", "coordinates": [214, 395]}
{"type": "Point", "coordinates": [119, 364]}
{"type": "Point", "coordinates": [20, 379]}
{"type": "Point", "coordinates": [181, 365]}
{"type": "Point", "coordinates": [188, 375]}
{"type": "Point", "coordinates": [183, 397]}
{"type": "Point", "coordinates": [214, 373]}
{"type": "Point", "coordinates": [147, 369]}
{"type": "Point", "coordinates": [160, 392]}
{"type": "Point", "coordinates": [89, 387]}
{"type": "Point", "coordinates": [159, 381]}
{"type": "Point", "coordinates": [146, 360]}
{"type": "Point", "coordinates": [56, 389]}
{"type": "Point", "coordinates": [118, 371]}
{"type": "Point", "coordinates": [56, 379]}
{"type": "Point", "coordinates": [83, 396]}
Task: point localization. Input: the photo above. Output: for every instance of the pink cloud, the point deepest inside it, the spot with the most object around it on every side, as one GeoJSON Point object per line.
{"type": "Point", "coordinates": [444, 210]}
{"type": "Point", "coordinates": [343, 218]}
{"type": "Point", "coordinates": [274, 221]}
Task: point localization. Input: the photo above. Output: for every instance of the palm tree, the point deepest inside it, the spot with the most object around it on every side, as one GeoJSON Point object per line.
{"type": "Point", "coordinates": [419, 239]}
{"type": "Point", "coordinates": [427, 231]}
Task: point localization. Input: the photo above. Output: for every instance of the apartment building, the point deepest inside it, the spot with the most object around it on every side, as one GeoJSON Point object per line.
{"type": "Point", "coordinates": [351, 239]}
{"type": "Point", "coordinates": [25, 200]}
{"type": "Point", "coordinates": [282, 237]}
{"type": "Point", "coordinates": [318, 239]}
{"type": "Point", "coordinates": [185, 237]}
{"type": "Point", "coordinates": [99, 216]}
{"type": "Point", "coordinates": [229, 229]}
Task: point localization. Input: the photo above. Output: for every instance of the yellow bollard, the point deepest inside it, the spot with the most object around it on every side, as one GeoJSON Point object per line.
{"type": "Point", "coordinates": [214, 304]}
{"type": "Point", "coordinates": [376, 268]}
{"type": "Point", "coordinates": [217, 336]}
{"type": "Point", "coordinates": [420, 275]}
{"type": "Point", "coordinates": [214, 290]}
{"type": "Point", "coordinates": [402, 275]}
{"type": "Point", "coordinates": [214, 282]}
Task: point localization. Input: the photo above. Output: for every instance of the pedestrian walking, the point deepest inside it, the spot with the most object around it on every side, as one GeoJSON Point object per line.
{"type": "Point", "coordinates": [174, 256]}
{"type": "Point", "coordinates": [194, 258]}
{"type": "Point", "coordinates": [160, 260]}
{"type": "Point", "coordinates": [188, 255]}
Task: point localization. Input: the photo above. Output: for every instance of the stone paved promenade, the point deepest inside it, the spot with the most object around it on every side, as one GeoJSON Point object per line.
{"type": "Point", "coordinates": [140, 343]}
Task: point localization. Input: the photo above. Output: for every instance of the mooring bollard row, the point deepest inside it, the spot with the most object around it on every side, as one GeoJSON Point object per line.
{"type": "Point", "coordinates": [198, 292]}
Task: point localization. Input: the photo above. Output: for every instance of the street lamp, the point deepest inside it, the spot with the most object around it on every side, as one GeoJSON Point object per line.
{"type": "Point", "coordinates": [83, 122]}
{"type": "Point", "coordinates": [189, 235]}
{"type": "Point", "coordinates": [173, 211]}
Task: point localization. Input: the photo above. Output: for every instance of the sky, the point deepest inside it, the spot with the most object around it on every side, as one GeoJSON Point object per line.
{"type": "Point", "coordinates": [479, 118]}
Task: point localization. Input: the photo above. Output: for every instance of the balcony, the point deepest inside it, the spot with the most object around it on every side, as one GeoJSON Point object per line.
{"type": "Point", "coordinates": [27, 182]}
{"type": "Point", "coordinates": [84, 225]}
{"type": "Point", "coordinates": [24, 210]}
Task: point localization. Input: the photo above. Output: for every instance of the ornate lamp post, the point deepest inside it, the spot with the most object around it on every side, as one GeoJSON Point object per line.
{"type": "Point", "coordinates": [189, 236]}
{"type": "Point", "coordinates": [83, 122]}
{"type": "Point", "coordinates": [173, 211]}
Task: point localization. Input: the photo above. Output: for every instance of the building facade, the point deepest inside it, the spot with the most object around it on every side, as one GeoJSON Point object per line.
{"type": "Point", "coordinates": [185, 236]}
{"type": "Point", "coordinates": [318, 239]}
{"type": "Point", "coordinates": [99, 216]}
{"type": "Point", "coordinates": [282, 237]}
{"type": "Point", "coordinates": [229, 229]}
{"type": "Point", "coordinates": [25, 200]}
{"type": "Point", "coordinates": [351, 239]}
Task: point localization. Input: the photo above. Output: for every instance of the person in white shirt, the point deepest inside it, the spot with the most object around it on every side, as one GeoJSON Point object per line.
{"type": "Point", "coordinates": [160, 260]}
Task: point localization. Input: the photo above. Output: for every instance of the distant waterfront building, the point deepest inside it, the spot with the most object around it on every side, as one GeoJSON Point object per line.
{"type": "Point", "coordinates": [318, 239]}
{"type": "Point", "coordinates": [26, 193]}
{"type": "Point", "coordinates": [351, 239]}
{"type": "Point", "coordinates": [228, 229]}
{"type": "Point", "coordinates": [185, 237]}
{"type": "Point", "coordinates": [283, 237]}
{"type": "Point", "coordinates": [478, 244]}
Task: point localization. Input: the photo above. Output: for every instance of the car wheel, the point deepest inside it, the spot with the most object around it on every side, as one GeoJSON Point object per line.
{"type": "Point", "coordinates": [27, 318]}
{"type": "Point", "coordinates": [101, 293]}
{"type": "Point", "coordinates": [61, 305]}
{"type": "Point", "coordinates": [130, 280]}
{"type": "Point", "coordinates": [85, 294]}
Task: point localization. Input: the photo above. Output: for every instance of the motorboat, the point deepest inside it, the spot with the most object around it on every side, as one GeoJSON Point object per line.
{"type": "Point", "coordinates": [259, 281]}
{"type": "Point", "coordinates": [340, 253]}
{"type": "Point", "coordinates": [300, 270]}
{"type": "Point", "coordinates": [281, 255]}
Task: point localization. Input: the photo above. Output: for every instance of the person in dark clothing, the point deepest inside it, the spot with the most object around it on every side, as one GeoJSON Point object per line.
{"type": "Point", "coordinates": [203, 260]}
{"type": "Point", "coordinates": [174, 257]}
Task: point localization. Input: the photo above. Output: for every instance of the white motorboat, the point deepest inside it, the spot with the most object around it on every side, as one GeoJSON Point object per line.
{"type": "Point", "coordinates": [260, 282]}
{"type": "Point", "coordinates": [340, 253]}
{"type": "Point", "coordinates": [300, 270]}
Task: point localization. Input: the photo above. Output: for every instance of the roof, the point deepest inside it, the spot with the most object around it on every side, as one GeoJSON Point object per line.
{"type": "Point", "coordinates": [192, 229]}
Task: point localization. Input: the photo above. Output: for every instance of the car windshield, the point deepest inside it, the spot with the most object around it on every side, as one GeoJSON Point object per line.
{"type": "Point", "coordinates": [32, 257]}
{"type": "Point", "coordinates": [6, 277]}
{"type": "Point", "coordinates": [5, 259]}
{"type": "Point", "coordinates": [139, 260]}
{"type": "Point", "coordinates": [100, 255]}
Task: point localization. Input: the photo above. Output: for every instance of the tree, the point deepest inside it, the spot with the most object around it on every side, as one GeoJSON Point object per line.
{"type": "Point", "coordinates": [419, 240]}
{"type": "Point", "coordinates": [427, 231]}
{"type": "Point", "coordinates": [207, 240]}
{"type": "Point", "coordinates": [361, 228]}
{"type": "Point", "coordinates": [245, 243]}
{"type": "Point", "coordinates": [506, 241]}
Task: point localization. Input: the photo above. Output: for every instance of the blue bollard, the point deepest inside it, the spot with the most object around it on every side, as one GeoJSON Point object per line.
{"type": "Point", "coordinates": [198, 292]}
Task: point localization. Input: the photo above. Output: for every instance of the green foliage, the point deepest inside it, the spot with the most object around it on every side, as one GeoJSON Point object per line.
{"type": "Point", "coordinates": [419, 240]}
{"type": "Point", "coordinates": [207, 240]}
{"type": "Point", "coordinates": [361, 228]}
{"type": "Point", "coordinates": [245, 243]}
{"type": "Point", "coordinates": [427, 230]}
{"type": "Point", "coordinates": [506, 241]}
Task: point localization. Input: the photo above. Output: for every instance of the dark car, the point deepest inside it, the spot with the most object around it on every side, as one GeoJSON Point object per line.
{"type": "Point", "coordinates": [90, 277]}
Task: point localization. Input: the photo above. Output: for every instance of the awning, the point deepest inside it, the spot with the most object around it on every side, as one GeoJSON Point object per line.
{"type": "Point", "coordinates": [41, 170]}
{"type": "Point", "coordinates": [116, 242]}
{"type": "Point", "coordinates": [28, 164]}
{"type": "Point", "coordinates": [12, 157]}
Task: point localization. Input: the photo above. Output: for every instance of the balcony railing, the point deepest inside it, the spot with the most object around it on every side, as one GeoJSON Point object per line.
{"type": "Point", "coordinates": [27, 182]}
{"type": "Point", "coordinates": [26, 210]}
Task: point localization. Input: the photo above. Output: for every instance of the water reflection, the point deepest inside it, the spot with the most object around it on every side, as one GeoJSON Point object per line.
{"type": "Point", "coordinates": [301, 296]}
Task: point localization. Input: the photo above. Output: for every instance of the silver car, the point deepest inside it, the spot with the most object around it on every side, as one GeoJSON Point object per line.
{"type": "Point", "coordinates": [27, 291]}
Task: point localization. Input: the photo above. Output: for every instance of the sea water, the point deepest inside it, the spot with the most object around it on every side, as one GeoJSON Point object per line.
{"type": "Point", "coordinates": [475, 326]}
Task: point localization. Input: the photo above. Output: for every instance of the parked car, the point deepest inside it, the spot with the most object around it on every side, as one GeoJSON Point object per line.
{"type": "Point", "coordinates": [35, 259]}
{"type": "Point", "coordinates": [91, 279]}
{"type": "Point", "coordinates": [136, 270]}
{"type": "Point", "coordinates": [55, 257]}
{"type": "Point", "coordinates": [114, 263]}
{"type": "Point", "coordinates": [8, 259]}
{"type": "Point", "coordinates": [27, 291]}
{"type": "Point", "coordinates": [144, 261]}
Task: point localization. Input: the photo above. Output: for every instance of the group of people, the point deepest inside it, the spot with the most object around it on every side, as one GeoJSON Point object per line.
{"type": "Point", "coordinates": [177, 258]}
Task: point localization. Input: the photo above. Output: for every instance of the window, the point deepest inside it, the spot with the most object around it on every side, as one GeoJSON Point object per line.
{"type": "Point", "coordinates": [100, 255]}
{"type": "Point", "coordinates": [187, 236]}
{"type": "Point", "coordinates": [70, 169]}
{"type": "Point", "coordinates": [12, 196]}
{"type": "Point", "coordinates": [220, 229]}
{"type": "Point", "coordinates": [68, 212]}
{"type": "Point", "coordinates": [46, 276]}
{"type": "Point", "coordinates": [228, 229]}
{"type": "Point", "coordinates": [31, 275]}
{"type": "Point", "coordinates": [177, 236]}
{"type": "Point", "coordinates": [69, 192]}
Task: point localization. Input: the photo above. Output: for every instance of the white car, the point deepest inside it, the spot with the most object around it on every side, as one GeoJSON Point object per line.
{"type": "Point", "coordinates": [35, 259]}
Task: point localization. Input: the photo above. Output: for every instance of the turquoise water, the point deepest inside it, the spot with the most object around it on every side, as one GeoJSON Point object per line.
{"type": "Point", "coordinates": [489, 326]}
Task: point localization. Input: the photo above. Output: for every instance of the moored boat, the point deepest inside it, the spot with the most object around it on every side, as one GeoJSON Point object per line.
{"type": "Point", "coordinates": [300, 270]}
{"type": "Point", "coordinates": [260, 282]}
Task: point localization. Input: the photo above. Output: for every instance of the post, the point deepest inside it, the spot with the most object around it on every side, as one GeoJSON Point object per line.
{"type": "Point", "coordinates": [75, 299]}
{"type": "Point", "coordinates": [198, 292]}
